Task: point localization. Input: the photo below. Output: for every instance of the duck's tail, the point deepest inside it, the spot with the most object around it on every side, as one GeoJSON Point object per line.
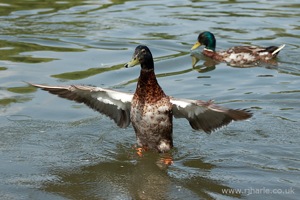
{"type": "Point", "coordinates": [275, 50]}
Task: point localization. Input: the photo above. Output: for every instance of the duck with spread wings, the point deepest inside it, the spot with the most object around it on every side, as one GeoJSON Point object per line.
{"type": "Point", "coordinates": [149, 109]}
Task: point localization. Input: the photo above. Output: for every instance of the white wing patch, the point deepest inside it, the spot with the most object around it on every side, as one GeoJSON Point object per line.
{"type": "Point", "coordinates": [113, 104]}
{"type": "Point", "coordinates": [204, 115]}
{"type": "Point", "coordinates": [186, 108]}
{"type": "Point", "coordinates": [112, 97]}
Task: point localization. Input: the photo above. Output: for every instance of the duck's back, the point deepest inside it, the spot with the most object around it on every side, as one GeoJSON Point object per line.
{"type": "Point", "coordinates": [244, 55]}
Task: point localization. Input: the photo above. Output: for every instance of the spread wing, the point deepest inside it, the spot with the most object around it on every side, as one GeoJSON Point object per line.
{"type": "Point", "coordinates": [113, 104]}
{"type": "Point", "coordinates": [204, 115]}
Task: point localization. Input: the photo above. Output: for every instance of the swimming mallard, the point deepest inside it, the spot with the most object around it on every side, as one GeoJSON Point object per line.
{"type": "Point", "coordinates": [149, 109]}
{"type": "Point", "coordinates": [236, 56]}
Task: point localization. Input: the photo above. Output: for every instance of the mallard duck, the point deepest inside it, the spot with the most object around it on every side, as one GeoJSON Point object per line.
{"type": "Point", "coordinates": [149, 109]}
{"type": "Point", "coordinates": [239, 55]}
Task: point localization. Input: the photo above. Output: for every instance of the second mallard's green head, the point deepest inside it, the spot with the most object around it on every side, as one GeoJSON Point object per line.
{"type": "Point", "coordinates": [207, 39]}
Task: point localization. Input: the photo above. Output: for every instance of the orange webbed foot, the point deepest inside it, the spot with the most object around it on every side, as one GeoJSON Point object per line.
{"type": "Point", "coordinates": [140, 150]}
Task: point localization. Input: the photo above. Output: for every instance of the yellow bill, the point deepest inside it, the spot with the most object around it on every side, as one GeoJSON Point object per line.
{"type": "Point", "coordinates": [196, 45]}
{"type": "Point", "coordinates": [134, 61]}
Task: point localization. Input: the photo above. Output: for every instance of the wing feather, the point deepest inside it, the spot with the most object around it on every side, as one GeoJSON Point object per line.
{"type": "Point", "coordinates": [113, 104]}
{"type": "Point", "coordinates": [205, 115]}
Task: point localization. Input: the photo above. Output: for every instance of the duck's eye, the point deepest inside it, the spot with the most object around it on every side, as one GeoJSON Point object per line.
{"type": "Point", "coordinates": [143, 51]}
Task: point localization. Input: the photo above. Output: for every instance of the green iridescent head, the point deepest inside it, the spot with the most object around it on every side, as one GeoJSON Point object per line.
{"type": "Point", "coordinates": [207, 39]}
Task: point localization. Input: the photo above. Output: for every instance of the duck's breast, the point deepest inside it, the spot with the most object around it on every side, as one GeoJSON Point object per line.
{"type": "Point", "coordinates": [153, 123]}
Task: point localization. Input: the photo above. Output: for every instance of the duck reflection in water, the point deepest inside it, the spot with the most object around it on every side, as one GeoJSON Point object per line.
{"type": "Point", "coordinates": [133, 177]}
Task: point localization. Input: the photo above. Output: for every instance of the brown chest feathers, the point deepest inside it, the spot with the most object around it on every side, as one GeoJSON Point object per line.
{"type": "Point", "coordinates": [148, 90]}
{"type": "Point", "coordinates": [151, 114]}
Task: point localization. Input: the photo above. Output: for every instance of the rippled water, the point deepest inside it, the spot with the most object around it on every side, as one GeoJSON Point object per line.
{"type": "Point", "coordinates": [51, 148]}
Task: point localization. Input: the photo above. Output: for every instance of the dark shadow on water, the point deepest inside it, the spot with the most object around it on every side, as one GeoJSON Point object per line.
{"type": "Point", "coordinates": [207, 66]}
{"type": "Point", "coordinates": [76, 75]}
{"type": "Point", "coordinates": [18, 97]}
{"type": "Point", "coordinates": [127, 176]}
